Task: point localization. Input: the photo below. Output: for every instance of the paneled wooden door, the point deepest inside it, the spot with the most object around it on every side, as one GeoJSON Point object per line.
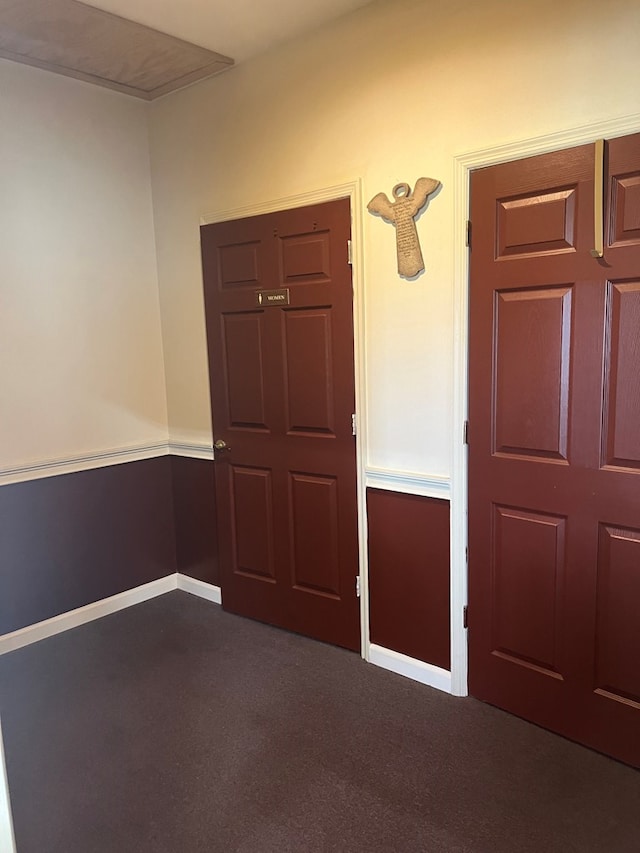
{"type": "Point", "coordinates": [279, 310]}
{"type": "Point", "coordinates": [554, 445]}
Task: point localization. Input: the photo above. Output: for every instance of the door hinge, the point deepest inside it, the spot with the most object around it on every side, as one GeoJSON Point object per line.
{"type": "Point", "coordinates": [468, 234]}
{"type": "Point", "coordinates": [353, 425]}
{"type": "Point", "coordinates": [349, 252]}
{"type": "Point", "coordinates": [465, 433]}
{"type": "Point", "coordinates": [465, 617]}
{"type": "Point", "coordinates": [357, 586]}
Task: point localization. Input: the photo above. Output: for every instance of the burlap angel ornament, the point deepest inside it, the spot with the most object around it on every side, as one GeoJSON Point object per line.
{"type": "Point", "coordinates": [401, 212]}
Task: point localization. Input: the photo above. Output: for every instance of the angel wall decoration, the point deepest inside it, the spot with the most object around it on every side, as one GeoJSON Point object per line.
{"type": "Point", "coordinates": [401, 213]}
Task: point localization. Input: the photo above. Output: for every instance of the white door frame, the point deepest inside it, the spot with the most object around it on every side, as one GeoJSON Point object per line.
{"type": "Point", "coordinates": [353, 191]}
{"type": "Point", "coordinates": [7, 840]}
{"type": "Point", "coordinates": [463, 165]}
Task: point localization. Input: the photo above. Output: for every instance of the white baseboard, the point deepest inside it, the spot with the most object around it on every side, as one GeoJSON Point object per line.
{"type": "Point", "coordinates": [82, 615]}
{"type": "Point", "coordinates": [200, 588]}
{"type": "Point", "coordinates": [425, 673]}
{"type": "Point", "coordinates": [74, 618]}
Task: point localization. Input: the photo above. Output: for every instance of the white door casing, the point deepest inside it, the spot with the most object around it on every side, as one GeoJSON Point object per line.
{"type": "Point", "coordinates": [7, 840]}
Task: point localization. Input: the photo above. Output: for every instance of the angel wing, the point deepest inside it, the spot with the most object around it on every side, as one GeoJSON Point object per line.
{"type": "Point", "coordinates": [422, 190]}
{"type": "Point", "coordinates": [381, 204]}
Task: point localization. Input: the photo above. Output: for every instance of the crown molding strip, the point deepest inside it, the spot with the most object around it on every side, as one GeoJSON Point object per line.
{"type": "Point", "coordinates": [103, 458]}
{"type": "Point", "coordinates": [351, 189]}
{"type": "Point", "coordinates": [425, 485]}
{"type": "Point", "coordinates": [191, 450]}
{"type": "Point", "coordinates": [581, 135]}
{"type": "Point", "coordinates": [430, 486]}
{"type": "Point", "coordinates": [81, 462]}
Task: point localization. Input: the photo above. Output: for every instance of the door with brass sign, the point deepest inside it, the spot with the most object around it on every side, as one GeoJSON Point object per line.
{"type": "Point", "coordinates": [554, 442]}
{"type": "Point", "coordinates": [279, 312]}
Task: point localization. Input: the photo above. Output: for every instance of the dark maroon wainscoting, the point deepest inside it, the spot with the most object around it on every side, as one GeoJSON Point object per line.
{"type": "Point", "coordinates": [409, 575]}
{"type": "Point", "coordinates": [69, 540]}
{"type": "Point", "coordinates": [194, 501]}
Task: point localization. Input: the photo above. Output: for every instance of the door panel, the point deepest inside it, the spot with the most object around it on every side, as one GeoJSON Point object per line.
{"type": "Point", "coordinates": [538, 224]}
{"type": "Point", "coordinates": [282, 394]}
{"type": "Point", "coordinates": [314, 534]}
{"type": "Point", "coordinates": [622, 369]}
{"type": "Point", "coordinates": [309, 371]}
{"type": "Point", "coordinates": [244, 374]}
{"type": "Point", "coordinates": [617, 638]}
{"type": "Point", "coordinates": [306, 258]}
{"type": "Point", "coordinates": [554, 446]}
{"type": "Point", "coordinates": [252, 533]}
{"type": "Point", "coordinates": [531, 357]}
{"type": "Point", "coordinates": [238, 264]}
{"type": "Point", "coordinates": [625, 209]}
{"type": "Point", "coordinates": [528, 578]}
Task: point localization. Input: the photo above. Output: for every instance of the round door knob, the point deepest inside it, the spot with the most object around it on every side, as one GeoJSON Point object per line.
{"type": "Point", "coordinates": [220, 445]}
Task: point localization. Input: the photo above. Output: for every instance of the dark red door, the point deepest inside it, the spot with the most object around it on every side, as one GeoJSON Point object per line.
{"type": "Point", "coordinates": [278, 297]}
{"type": "Point", "coordinates": [554, 446]}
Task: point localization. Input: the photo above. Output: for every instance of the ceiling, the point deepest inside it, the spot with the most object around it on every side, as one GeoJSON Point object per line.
{"type": "Point", "coordinates": [238, 28]}
{"type": "Point", "coordinates": [148, 48]}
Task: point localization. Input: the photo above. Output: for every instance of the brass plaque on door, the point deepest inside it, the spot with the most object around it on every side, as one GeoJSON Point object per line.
{"type": "Point", "coordinates": [273, 297]}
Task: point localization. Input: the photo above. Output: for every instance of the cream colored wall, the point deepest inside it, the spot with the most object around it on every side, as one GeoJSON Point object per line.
{"type": "Point", "coordinates": [388, 94]}
{"type": "Point", "coordinates": [81, 363]}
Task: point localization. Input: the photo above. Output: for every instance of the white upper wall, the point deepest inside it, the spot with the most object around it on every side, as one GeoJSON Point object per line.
{"type": "Point", "coordinates": [81, 363]}
{"type": "Point", "coordinates": [390, 93]}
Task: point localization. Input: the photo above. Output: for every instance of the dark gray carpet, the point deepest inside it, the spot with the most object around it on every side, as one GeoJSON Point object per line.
{"type": "Point", "coordinates": [173, 727]}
